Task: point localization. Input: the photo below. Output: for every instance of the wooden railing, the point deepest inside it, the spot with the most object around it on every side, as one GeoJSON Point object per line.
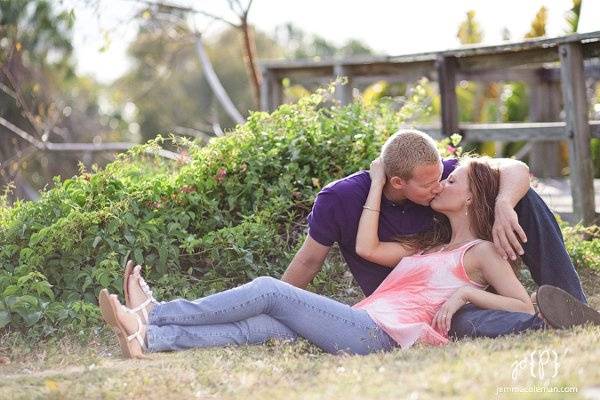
{"type": "Point", "coordinates": [555, 69]}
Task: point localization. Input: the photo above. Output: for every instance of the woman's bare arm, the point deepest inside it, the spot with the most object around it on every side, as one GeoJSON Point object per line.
{"type": "Point", "coordinates": [497, 272]}
{"type": "Point", "coordinates": [368, 245]}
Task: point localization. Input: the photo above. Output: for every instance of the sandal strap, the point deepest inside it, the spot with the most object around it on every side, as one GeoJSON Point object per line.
{"type": "Point", "coordinates": [136, 334]}
{"type": "Point", "coordinates": [139, 338]}
{"type": "Point", "coordinates": [149, 299]}
{"type": "Point", "coordinates": [146, 290]}
{"type": "Point", "coordinates": [142, 308]}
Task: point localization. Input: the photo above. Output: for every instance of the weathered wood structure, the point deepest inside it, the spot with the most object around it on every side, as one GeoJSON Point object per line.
{"type": "Point", "coordinates": [555, 69]}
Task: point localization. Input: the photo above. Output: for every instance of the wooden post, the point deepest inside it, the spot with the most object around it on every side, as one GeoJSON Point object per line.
{"type": "Point", "coordinates": [544, 106]}
{"type": "Point", "coordinates": [276, 92]}
{"type": "Point", "coordinates": [343, 93]}
{"type": "Point", "coordinates": [578, 128]}
{"type": "Point", "coordinates": [446, 70]}
{"type": "Point", "coordinates": [271, 92]}
{"type": "Point", "coordinates": [265, 90]}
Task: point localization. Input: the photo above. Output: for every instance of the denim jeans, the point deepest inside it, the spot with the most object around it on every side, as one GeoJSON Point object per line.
{"type": "Point", "coordinates": [259, 310]}
{"type": "Point", "coordinates": [547, 259]}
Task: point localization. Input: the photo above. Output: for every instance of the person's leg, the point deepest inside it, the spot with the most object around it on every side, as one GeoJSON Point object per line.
{"type": "Point", "coordinates": [545, 253]}
{"type": "Point", "coordinates": [331, 325]}
{"type": "Point", "coordinates": [254, 330]}
{"type": "Point", "coordinates": [472, 321]}
{"type": "Point", "coordinates": [549, 263]}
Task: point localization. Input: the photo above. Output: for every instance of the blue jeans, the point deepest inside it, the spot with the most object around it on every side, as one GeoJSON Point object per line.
{"type": "Point", "coordinates": [549, 263]}
{"type": "Point", "coordinates": [259, 310]}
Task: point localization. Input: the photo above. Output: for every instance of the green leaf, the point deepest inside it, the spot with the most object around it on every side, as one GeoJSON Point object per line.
{"type": "Point", "coordinates": [130, 219]}
{"type": "Point", "coordinates": [4, 318]}
{"type": "Point", "coordinates": [96, 241]}
{"type": "Point", "coordinates": [86, 283]}
{"type": "Point", "coordinates": [129, 237]}
{"type": "Point", "coordinates": [44, 288]}
{"type": "Point", "coordinates": [30, 317]}
{"type": "Point", "coordinates": [104, 279]}
{"type": "Point", "coordinates": [138, 256]}
{"type": "Point", "coordinates": [10, 290]}
{"type": "Point", "coordinates": [10, 301]}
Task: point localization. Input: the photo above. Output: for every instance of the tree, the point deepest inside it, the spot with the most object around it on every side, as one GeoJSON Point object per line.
{"type": "Point", "coordinates": [242, 25]}
{"type": "Point", "coordinates": [35, 54]}
{"type": "Point", "coordinates": [538, 26]}
{"type": "Point", "coordinates": [572, 17]}
{"type": "Point", "coordinates": [469, 31]}
{"type": "Point", "coordinates": [299, 44]}
{"type": "Point", "coordinates": [45, 108]}
{"type": "Point", "coordinates": [169, 87]}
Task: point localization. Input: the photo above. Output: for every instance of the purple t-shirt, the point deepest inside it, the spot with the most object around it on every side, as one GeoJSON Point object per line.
{"type": "Point", "coordinates": [336, 213]}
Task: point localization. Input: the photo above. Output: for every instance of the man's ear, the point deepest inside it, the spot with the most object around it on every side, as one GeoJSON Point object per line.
{"type": "Point", "coordinates": [397, 182]}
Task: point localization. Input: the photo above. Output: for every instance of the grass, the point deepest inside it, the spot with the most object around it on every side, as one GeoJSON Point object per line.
{"type": "Point", "coordinates": [72, 368]}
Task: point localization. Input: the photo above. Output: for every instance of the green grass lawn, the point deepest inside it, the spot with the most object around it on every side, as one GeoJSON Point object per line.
{"type": "Point", "coordinates": [66, 368]}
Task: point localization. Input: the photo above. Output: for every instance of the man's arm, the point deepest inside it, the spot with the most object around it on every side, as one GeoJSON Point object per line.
{"type": "Point", "coordinates": [306, 263]}
{"type": "Point", "coordinates": [514, 184]}
{"type": "Point", "coordinates": [514, 180]}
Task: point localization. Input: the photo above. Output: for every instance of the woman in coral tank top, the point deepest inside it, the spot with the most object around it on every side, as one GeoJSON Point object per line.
{"type": "Point", "coordinates": [418, 298]}
{"type": "Point", "coordinates": [433, 276]}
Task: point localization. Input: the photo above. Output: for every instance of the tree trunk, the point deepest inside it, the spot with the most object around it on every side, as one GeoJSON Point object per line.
{"type": "Point", "coordinates": [250, 61]}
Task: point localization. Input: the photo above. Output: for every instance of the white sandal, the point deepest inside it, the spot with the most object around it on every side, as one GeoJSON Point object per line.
{"type": "Point", "coordinates": [149, 297]}
{"type": "Point", "coordinates": [109, 313]}
{"type": "Point", "coordinates": [136, 335]}
{"type": "Point", "coordinates": [149, 300]}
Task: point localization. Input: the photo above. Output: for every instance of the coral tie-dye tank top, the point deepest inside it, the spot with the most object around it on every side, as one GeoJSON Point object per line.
{"type": "Point", "coordinates": [407, 300]}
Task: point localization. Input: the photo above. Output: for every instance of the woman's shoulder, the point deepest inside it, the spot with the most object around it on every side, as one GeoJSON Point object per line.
{"type": "Point", "coordinates": [482, 250]}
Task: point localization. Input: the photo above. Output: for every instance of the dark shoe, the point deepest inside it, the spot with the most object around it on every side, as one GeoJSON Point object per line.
{"type": "Point", "coordinates": [561, 310]}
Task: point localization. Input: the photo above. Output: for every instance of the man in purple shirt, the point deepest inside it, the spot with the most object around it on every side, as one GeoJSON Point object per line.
{"type": "Point", "coordinates": [523, 225]}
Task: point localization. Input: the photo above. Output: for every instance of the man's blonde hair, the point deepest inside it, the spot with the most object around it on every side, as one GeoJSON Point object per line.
{"type": "Point", "coordinates": [407, 149]}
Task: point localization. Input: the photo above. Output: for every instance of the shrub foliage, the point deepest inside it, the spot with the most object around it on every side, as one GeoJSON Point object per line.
{"type": "Point", "coordinates": [235, 211]}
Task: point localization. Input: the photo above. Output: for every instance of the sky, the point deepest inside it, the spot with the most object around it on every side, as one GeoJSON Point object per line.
{"type": "Point", "coordinates": [391, 27]}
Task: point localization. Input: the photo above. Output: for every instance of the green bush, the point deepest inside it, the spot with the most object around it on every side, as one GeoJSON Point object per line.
{"type": "Point", "coordinates": [583, 244]}
{"type": "Point", "coordinates": [235, 211]}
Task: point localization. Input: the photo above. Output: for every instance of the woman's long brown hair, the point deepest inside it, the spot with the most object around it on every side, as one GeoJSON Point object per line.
{"type": "Point", "coordinates": [484, 184]}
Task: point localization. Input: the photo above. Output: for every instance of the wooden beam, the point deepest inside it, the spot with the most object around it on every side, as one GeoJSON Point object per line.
{"type": "Point", "coordinates": [546, 50]}
{"type": "Point", "coordinates": [527, 75]}
{"type": "Point", "coordinates": [576, 117]}
{"type": "Point", "coordinates": [410, 70]}
{"type": "Point", "coordinates": [503, 60]}
{"type": "Point", "coordinates": [591, 49]}
{"type": "Point", "coordinates": [84, 147]}
{"type": "Point", "coordinates": [511, 132]}
{"type": "Point", "coordinates": [446, 69]}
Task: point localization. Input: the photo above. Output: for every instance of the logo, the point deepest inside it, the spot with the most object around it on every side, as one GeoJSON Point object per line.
{"type": "Point", "coordinates": [538, 364]}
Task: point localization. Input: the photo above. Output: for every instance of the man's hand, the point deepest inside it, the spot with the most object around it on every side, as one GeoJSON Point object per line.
{"type": "Point", "coordinates": [506, 231]}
